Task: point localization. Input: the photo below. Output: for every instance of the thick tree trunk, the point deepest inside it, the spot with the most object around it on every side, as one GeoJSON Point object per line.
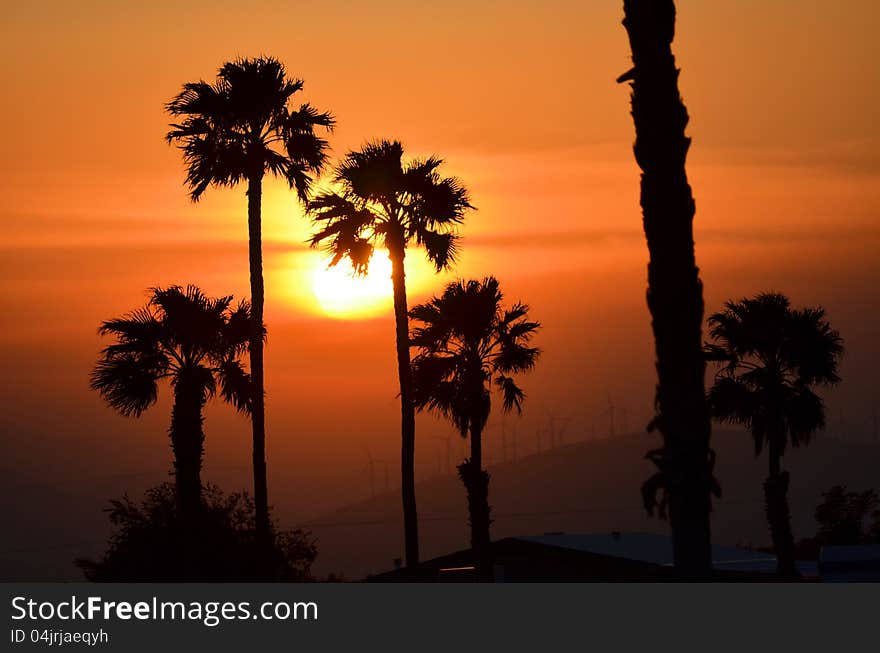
{"type": "Point", "coordinates": [187, 443]}
{"type": "Point", "coordinates": [476, 483]}
{"type": "Point", "coordinates": [397, 253]}
{"type": "Point", "coordinates": [255, 348]}
{"type": "Point", "coordinates": [675, 294]}
{"type": "Point", "coordinates": [779, 515]}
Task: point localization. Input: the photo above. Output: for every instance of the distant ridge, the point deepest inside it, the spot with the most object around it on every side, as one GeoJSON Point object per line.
{"type": "Point", "coordinates": [587, 487]}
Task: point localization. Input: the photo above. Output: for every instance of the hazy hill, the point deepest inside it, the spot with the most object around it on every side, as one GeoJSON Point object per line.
{"type": "Point", "coordinates": [587, 487]}
{"type": "Point", "coordinates": [583, 487]}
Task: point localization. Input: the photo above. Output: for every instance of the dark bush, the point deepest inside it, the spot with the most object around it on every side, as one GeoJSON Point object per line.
{"type": "Point", "coordinates": [149, 544]}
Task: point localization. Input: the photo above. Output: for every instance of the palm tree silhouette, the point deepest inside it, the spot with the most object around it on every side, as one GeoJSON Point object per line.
{"type": "Point", "coordinates": [675, 292]}
{"type": "Point", "coordinates": [383, 201]}
{"type": "Point", "coordinates": [193, 341]}
{"type": "Point", "coordinates": [467, 341]}
{"type": "Point", "coordinates": [238, 129]}
{"type": "Point", "coordinates": [770, 357]}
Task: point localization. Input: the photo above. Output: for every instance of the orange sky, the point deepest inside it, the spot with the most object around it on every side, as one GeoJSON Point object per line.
{"type": "Point", "coordinates": [520, 100]}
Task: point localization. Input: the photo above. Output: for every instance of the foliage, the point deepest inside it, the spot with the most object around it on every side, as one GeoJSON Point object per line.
{"type": "Point", "coordinates": [769, 357]}
{"type": "Point", "coordinates": [242, 125]}
{"type": "Point", "coordinates": [846, 517]}
{"type": "Point", "coordinates": [383, 201]}
{"type": "Point", "coordinates": [150, 543]}
{"type": "Point", "coordinates": [380, 200]}
{"type": "Point", "coordinates": [467, 340]}
{"type": "Point", "coordinates": [180, 334]}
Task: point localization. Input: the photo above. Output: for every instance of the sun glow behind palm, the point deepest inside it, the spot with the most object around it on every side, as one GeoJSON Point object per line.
{"type": "Point", "coordinates": [340, 293]}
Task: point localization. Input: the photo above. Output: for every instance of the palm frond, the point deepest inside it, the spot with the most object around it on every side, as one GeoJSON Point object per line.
{"type": "Point", "coordinates": [236, 388]}
{"type": "Point", "coordinates": [812, 347]}
{"type": "Point", "coordinates": [463, 339]}
{"type": "Point", "coordinates": [181, 334]}
{"type": "Point", "coordinates": [139, 326]}
{"type": "Point", "coordinates": [374, 173]}
{"type": "Point", "coordinates": [733, 401]}
{"type": "Point", "coordinates": [299, 176]}
{"type": "Point", "coordinates": [430, 371]}
{"type": "Point", "coordinates": [768, 355]}
{"type": "Point", "coordinates": [516, 312]}
{"type": "Point", "coordinates": [512, 393]}
{"type": "Point", "coordinates": [431, 329]}
{"type": "Point", "coordinates": [193, 322]}
{"type": "Point", "coordinates": [128, 382]}
{"type": "Point", "coordinates": [434, 201]}
{"type": "Point", "coordinates": [237, 328]}
{"type": "Point", "coordinates": [441, 248]}
{"type": "Point", "coordinates": [199, 100]}
{"type": "Point", "coordinates": [805, 414]}
{"type": "Point", "coordinates": [228, 128]}
{"type": "Point", "coordinates": [348, 230]}
{"type": "Point", "coordinates": [514, 358]}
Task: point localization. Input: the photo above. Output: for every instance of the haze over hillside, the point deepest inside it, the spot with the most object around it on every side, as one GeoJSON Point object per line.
{"type": "Point", "coordinates": [582, 487]}
{"type": "Point", "coordinates": [588, 487]}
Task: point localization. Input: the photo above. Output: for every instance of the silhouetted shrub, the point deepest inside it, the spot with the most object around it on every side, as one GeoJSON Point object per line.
{"type": "Point", "coordinates": [150, 544]}
{"type": "Point", "coordinates": [844, 518]}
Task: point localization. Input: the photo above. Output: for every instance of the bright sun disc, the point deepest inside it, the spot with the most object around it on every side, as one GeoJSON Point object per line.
{"type": "Point", "coordinates": [341, 293]}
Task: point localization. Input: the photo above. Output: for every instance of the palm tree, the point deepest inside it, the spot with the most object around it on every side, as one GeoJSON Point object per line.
{"type": "Point", "coordinates": [386, 202]}
{"type": "Point", "coordinates": [193, 341]}
{"type": "Point", "coordinates": [675, 292]}
{"type": "Point", "coordinates": [236, 130]}
{"type": "Point", "coordinates": [467, 341]}
{"type": "Point", "coordinates": [770, 357]}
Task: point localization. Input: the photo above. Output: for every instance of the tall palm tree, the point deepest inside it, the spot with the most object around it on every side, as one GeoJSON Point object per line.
{"type": "Point", "coordinates": [466, 341]}
{"type": "Point", "coordinates": [193, 341]}
{"type": "Point", "coordinates": [235, 130]}
{"type": "Point", "coordinates": [386, 202]}
{"type": "Point", "coordinates": [675, 292]}
{"type": "Point", "coordinates": [770, 357]}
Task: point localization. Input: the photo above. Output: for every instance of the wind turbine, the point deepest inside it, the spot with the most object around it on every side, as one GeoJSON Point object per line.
{"type": "Point", "coordinates": [554, 434]}
{"type": "Point", "coordinates": [508, 442]}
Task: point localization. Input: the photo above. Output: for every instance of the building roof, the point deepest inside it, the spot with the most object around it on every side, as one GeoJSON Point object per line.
{"type": "Point", "coordinates": [593, 556]}
{"type": "Point", "coordinates": [652, 548]}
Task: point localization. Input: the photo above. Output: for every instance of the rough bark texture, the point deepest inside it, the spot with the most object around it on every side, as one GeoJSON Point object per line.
{"type": "Point", "coordinates": [675, 294]}
{"type": "Point", "coordinates": [255, 348]}
{"type": "Point", "coordinates": [187, 443]}
{"type": "Point", "coordinates": [397, 253]}
{"type": "Point", "coordinates": [779, 516]}
{"type": "Point", "coordinates": [476, 483]}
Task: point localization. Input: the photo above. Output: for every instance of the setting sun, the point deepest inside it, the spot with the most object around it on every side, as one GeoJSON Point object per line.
{"type": "Point", "coordinates": [307, 282]}
{"type": "Point", "coordinates": [341, 293]}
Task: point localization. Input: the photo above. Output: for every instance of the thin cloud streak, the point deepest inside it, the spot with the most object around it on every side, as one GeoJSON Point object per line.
{"type": "Point", "coordinates": [596, 237]}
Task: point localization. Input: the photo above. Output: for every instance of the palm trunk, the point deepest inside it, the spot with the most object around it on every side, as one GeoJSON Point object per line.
{"type": "Point", "coordinates": [397, 252]}
{"type": "Point", "coordinates": [476, 483]}
{"type": "Point", "coordinates": [675, 293]}
{"type": "Point", "coordinates": [187, 443]}
{"type": "Point", "coordinates": [779, 515]}
{"type": "Point", "coordinates": [255, 348]}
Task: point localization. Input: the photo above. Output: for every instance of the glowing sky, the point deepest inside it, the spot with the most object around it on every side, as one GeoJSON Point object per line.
{"type": "Point", "coordinates": [519, 99]}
